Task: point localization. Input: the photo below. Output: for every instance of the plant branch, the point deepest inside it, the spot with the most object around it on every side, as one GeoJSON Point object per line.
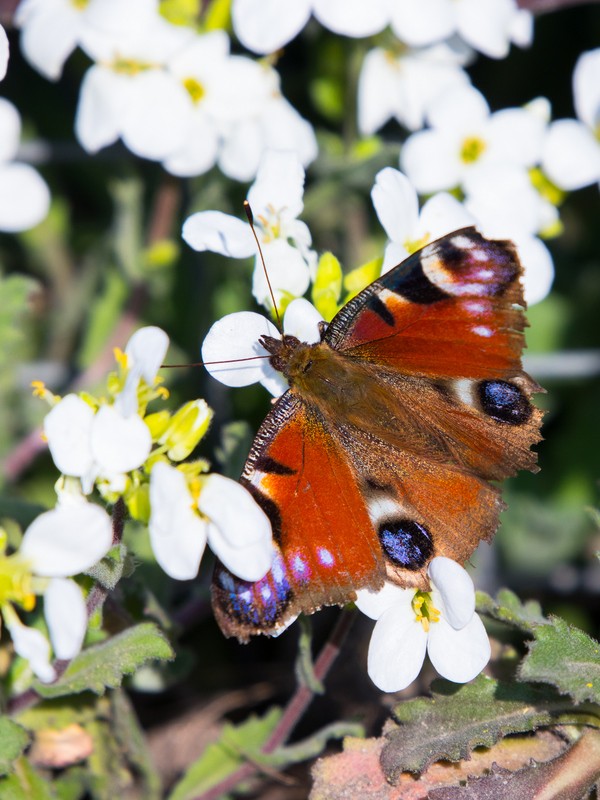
{"type": "Point", "coordinates": [294, 710]}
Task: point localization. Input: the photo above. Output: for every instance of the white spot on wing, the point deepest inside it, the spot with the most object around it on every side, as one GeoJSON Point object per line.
{"type": "Point", "coordinates": [481, 330]}
{"type": "Point", "coordinates": [463, 389]}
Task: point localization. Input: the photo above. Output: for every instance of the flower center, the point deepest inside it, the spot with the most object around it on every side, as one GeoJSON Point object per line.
{"type": "Point", "coordinates": [195, 89]}
{"type": "Point", "coordinates": [129, 66]}
{"type": "Point", "coordinates": [412, 245]}
{"type": "Point", "coordinates": [79, 4]}
{"type": "Point", "coordinates": [425, 611]}
{"type": "Point", "coordinates": [472, 149]}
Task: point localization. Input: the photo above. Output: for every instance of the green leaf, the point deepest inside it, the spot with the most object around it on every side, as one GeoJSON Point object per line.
{"type": "Point", "coordinates": [104, 665]}
{"type": "Point", "coordinates": [14, 740]}
{"type": "Point", "coordinates": [508, 608]}
{"type": "Point", "coordinates": [566, 658]}
{"type": "Point", "coordinates": [327, 286]}
{"type": "Point", "coordinates": [109, 571]}
{"type": "Point", "coordinates": [223, 757]}
{"type": "Point", "coordinates": [458, 718]}
{"type": "Point", "coordinates": [25, 784]}
{"type": "Point", "coordinates": [131, 740]}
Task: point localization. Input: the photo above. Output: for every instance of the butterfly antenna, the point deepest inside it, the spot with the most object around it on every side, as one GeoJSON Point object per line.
{"type": "Point", "coordinates": [250, 216]}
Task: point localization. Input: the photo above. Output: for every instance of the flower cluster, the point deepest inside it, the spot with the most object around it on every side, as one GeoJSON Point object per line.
{"type": "Point", "coordinates": [114, 445]}
{"type": "Point", "coordinates": [170, 93]}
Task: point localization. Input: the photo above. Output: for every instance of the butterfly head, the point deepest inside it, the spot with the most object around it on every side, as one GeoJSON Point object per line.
{"type": "Point", "coordinates": [289, 355]}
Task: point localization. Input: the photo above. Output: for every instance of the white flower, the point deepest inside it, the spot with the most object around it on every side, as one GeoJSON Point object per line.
{"type": "Point", "coordinates": [224, 514]}
{"type": "Point", "coordinates": [404, 86]}
{"type": "Point", "coordinates": [464, 136]}
{"type": "Point", "coordinates": [266, 25]}
{"type": "Point", "coordinates": [486, 25]}
{"type": "Point", "coordinates": [276, 201]}
{"type": "Point", "coordinates": [572, 148]}
{"type": "Point", "coordinates": [4, 52]}
{"type": "Point", "coordinates": [276, 125]}
{"type": "Point", "coordinates": [24, 195]}
{"type": "Point", "coordinates": [397, 206]}
{"type": "Point", "coordinates": [113, 440]}
{"type": "Point", "coordinates": [59, 543]}
{"type": "Point", "coordinates": [232, 354]}
{"type": "Point", "coordinates": [442, 623]}
{"type": "Point", "coordinates": [50, 33]}
{"type": "Point", "coordinates": [506, 205]}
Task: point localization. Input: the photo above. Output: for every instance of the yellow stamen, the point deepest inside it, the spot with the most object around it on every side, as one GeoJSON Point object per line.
{"type": "Point", "coordinates": [472, 149]}
{"type": "Point", "coordinates": [120, 357]}
{"type": "Point", "coordinates": [195, 89]}
{"type": "Point", "coordinates": [425, 611]}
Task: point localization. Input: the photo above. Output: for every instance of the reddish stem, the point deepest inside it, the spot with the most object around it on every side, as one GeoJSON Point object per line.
{"type": "Point", "coordinates": [294, 710]}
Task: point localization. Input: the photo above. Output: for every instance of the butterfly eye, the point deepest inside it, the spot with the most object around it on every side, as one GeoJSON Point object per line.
{"type": "Point", "coordinates": [307, 366]}
{"type": "Point", "coordinates": [504, 402]}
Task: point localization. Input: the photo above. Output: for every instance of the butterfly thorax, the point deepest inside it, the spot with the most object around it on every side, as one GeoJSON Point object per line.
{"type": "Point", "coordinates": [322, 376]}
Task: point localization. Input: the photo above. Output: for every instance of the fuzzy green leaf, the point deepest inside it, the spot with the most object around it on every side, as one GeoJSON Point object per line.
{"type": "Point", "coordinates": [458, 718]}
{"type": "Point", "coordinates": [104, 665]}
{"type": "Point", "coordinates": [14, 740]}
{"type": "Point", "coordinates": [509, 609]}
{"type": "Point", "coordinates": [565, 657]}
{"type": "Point", "coordinates": [25, 783]}
{"type": "Point", "coordinates": [224, 756]}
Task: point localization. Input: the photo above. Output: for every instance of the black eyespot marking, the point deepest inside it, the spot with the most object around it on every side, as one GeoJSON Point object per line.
{"type": "Point", "coordinates": [504, 402]}
{"type": "Point", "coordinates": [377, 486]}
{"type": "Point", "coordinates": [409, 281]}
{"type": "Point", "coordinates": [406, 543]}
{"type": "Point", "coordinates": [382, 311]}
{"type": "Point", "coordinates": [272, 467]}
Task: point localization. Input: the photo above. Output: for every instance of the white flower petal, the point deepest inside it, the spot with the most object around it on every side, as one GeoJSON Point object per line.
{"type": "Point", "coordinates": [233, 510]}
{"type": "Point", "coordinates": [177, 533]}
{"type": "Point", "coordinates": [103, 100]}
{"type": "Point", "coordinates": [145, 351]}
{"type": "Point", "coordinates": [285, 129]}
{"type": "Point", "coordinates": [396, 650]}
{"type": "Point", "coordinates": [461, 109]}
{"type": "Point", "coordinates": [374, 604]}
{"type": "Point", "coordinates": [157, 120]}
{"type": "Point", "coordinates": [241, 150]}
{"type": "Point", "coordinates": [395, 253]}
{"type": "Point", "coordinates": [456, 588]}
{"type": "Point", "coordinates": [539, 268]}
{"type": "Point", "coordinates": [396, 204]}
{"type": "Point", "coordinates": [68, 428]}
{"type": "Point", "coordinates": [586, 88]}
{"type": "Point", "coordinates": [442, 214]}
{"type": "Point", "coordinates": [119, 444]}
{"type": "Point", "coordinates": [220, 233]}
{"type": "Point", "coordinates": [352, 17]}
{"type": "Point", "coordinates": [24, 197]}
{"type": "Point", "coordinates": [266, 25]}
{"type": "Point", "coordinates": [516, 135]}
{"type": "Point", "coordinates": [250, 563]}
{"type": "Point", "coordinates": [288, 272]}
{"type": "Point", "coordinates": [4, 52]}
{"type": "Point", "coordinates": [279, 185]}
{"type": "Point", "coordinates": [66, 616]}
{"type": "Point", "coordinates": [200, 150]}
{"type": "Point", "coordinates": [571, 156]}
{"type": "Point", "coordinates": [10, 125]}
{"type": "Point", "coordinates": [233, 339]}
{"type": "Point", "coordinates": [486, 25]}
{"type": "Point", "coordinates": [459, 656]}
{"type": "Point", "coordinates": [50, 33]}
{"type": "Point", "coordinates": [32, 645]}
{"type": "Point", "coordinates": [378, 89]}
{"type": "Point", "coordinates": [431, 161]}
{"type": "Point", "coordinates": [301, 319]}
{"type": "Point", "coordinates": [67, 540]}
{"type": "Point", "coordinates": [420, 22]}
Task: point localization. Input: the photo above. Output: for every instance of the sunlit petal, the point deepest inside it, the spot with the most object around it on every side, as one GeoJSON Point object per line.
{"type": "Point", "coordinates": [374, 604]}
{"type": "Point", "coordinates": [119, 444]}
{"type": "Point", "coordinates": [459, 655]}
{"type": "Point", "coordinates": [301, 319]}
{"type": "Point", "coordinates": [397, 649]}
{"type": "Point", "coordinates": [68, 428]}
{"type": "Point", "coordinates": [32, 645]}
{"type": "Point", "coordinates": [66, 616]}
{"type": "Point", "coordinates": [455, 586]}
{"type": "Point", "coordinates": [221, 233]}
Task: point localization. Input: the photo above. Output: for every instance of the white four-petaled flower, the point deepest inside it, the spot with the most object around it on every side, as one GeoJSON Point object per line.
{"type": "Point", "coordinates": [276, 202]}
{"type": "Point", "coordinates": [441, 623]}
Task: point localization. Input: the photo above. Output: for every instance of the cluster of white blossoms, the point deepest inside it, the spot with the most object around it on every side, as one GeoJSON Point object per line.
{"type": "Point", "coordinates": [24, 195]}
{"type": "Point", "coordinates": [169, 93]}
{"type": "Point", "coordinates": [115, 446]}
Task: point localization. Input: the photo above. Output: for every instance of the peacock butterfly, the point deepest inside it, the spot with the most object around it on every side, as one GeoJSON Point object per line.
{"type": "Point", "coordinates": [381, 453]}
